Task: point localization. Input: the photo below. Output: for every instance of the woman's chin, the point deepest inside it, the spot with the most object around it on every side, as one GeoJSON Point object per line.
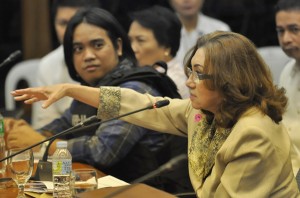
{"type": "Point", "coordinates": [195, 105]}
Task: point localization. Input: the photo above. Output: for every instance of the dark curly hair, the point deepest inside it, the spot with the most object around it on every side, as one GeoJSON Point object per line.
{"type": "Point", "coordinates": [240, 75]}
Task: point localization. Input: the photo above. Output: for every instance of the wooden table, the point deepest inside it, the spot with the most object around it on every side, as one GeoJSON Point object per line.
{"type": "Point", "coordinates": [9, 189]}
{"type": "Point", "coordinates": [132, 191]}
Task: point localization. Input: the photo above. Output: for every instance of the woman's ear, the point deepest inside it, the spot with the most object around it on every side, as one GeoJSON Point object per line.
{"type": "Point", "coordinates": [119, 47]}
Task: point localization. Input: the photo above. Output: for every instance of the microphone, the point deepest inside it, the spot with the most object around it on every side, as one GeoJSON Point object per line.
{"type": "Point", "coordinates": [161, 103]}
{"type": "Point", "coordinates": [170, 165]}
{"type": "Point", "coordinates": [79, 125]}
{"type": "Point", "coordinates": [44, 168]}
{"type": "Point", "coordinates": [12, 57]}
{"type": "Point", "coordinates": [83, 125]}
{"type": "Point", "coordinates": [89, 122]}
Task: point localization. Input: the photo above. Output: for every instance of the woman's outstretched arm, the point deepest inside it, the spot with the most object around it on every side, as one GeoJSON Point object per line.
{"type": "Point", "coordinates": [53, 93]}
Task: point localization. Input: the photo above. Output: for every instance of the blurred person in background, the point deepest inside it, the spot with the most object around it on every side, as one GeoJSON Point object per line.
{"type": "Point", "coordinates": [288, 30]}
{"type": "Point", "coordinates": [194, 24]}
{"type": "Point", "coordinates": [155, 36]}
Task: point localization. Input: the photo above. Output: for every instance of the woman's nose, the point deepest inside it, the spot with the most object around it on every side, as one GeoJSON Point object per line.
{"type": "Point", "coordinates": [190, 82]}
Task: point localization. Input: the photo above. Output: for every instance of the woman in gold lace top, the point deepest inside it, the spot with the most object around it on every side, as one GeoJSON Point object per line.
{"type": "Point", "coordinates": [237, 146]}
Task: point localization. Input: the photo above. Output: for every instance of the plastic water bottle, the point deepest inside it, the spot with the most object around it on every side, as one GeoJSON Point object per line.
{"type": "Point", "coordinates": [61, 170]}
{"type": "Point", "coordinates": [2, 145]}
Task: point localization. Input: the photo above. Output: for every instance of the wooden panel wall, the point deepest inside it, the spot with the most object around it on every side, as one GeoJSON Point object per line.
{"type": "Point", "coordinates": [36, 28]}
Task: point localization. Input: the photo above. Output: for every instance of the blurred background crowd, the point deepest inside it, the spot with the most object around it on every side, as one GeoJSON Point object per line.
{"type": "Point", "coordinates": [27, 25]}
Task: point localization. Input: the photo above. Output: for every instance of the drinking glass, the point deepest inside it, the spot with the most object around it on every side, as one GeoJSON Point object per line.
{"type": "Point", "coordinates": [84, 180]}
{"type": "Point", "coordinates": [20, 166]}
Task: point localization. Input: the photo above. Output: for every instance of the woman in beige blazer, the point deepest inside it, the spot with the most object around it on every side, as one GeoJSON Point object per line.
{"type": "Point", "coordinates": [237, 146]}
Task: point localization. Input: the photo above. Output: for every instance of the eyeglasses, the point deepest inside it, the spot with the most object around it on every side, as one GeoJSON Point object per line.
{"type": "Point", "coordinates": [196, 76]}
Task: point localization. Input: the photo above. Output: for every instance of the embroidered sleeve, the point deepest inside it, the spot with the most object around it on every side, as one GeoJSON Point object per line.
{"type": "Point", "coordinates": [109, 106]}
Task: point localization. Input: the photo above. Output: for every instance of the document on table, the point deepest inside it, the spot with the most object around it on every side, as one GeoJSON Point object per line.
{"type": "Point", "coordinates": [47, 186]}
{"type": "Point", "coordinates": [110, 181]}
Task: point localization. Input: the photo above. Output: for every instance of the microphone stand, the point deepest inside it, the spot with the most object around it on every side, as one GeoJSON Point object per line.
{"type": "Point", "coordinates": [89, 122]}
{"type": "Point", "coordinates": [54, 137]}
{"type": "Point", "coordinates": [165, 167]}
{"type": "Point", "coordinates": [44, 168]}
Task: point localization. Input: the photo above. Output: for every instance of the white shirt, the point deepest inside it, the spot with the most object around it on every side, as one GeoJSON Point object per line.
{"type": "Point", "coordinates": [176, 73]}
{"type": "Point", "coordinates": [290, 80]}
{"type": "Point", "coordinates": [52, 70]}
{"type": "Point", "coordinates": [205, 25]}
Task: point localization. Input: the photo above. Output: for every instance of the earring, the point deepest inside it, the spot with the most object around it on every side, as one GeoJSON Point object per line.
{"type": "Point", "coordinates": [167, 53]}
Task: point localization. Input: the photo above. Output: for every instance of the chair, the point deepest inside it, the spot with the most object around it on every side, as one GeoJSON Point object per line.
{"type": "Point", "coordinates": [275, 59]}
{"type": "Point", "coordinates": [22, 71]}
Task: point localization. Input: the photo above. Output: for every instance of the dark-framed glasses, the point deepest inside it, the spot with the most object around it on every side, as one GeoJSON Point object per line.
{"type": "Point", "coordinates": [197, 76]}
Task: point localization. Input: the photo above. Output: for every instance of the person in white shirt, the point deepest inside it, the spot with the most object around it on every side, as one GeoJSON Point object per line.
{"type": "Point", "coordinates": [52, 68]}
{"type": "Point", "coordinates": [288, 29]}
{"type": "Point", "coordinates": [155, 36]}
{"type": "Point", "coordinates": [194, 24]}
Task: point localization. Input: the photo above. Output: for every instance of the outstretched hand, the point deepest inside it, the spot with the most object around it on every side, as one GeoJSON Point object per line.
{"type": "Point", "coordinates": [49, 94]}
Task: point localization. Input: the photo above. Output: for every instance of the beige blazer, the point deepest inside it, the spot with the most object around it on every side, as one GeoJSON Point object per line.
{"type": "Point", "coordinates": [254, 161]}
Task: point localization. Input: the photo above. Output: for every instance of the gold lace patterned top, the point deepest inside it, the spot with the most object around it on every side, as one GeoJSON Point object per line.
{"type": "Point", "coordinates": [206, 141]}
